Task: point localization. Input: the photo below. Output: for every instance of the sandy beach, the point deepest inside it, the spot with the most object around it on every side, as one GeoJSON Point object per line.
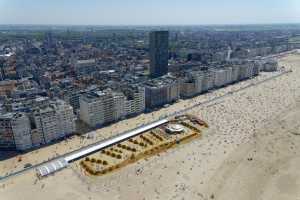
{"type": "Point", "coordinates": [250, 152]}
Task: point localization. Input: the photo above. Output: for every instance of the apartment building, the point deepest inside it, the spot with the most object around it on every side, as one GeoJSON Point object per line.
{"type": "Point", "coordinates": [161, 91]}
{"type": "Point", "coordinates": [102, 107]}
{"type": "Point", "coordinates": [208, 80]}
{"type": "Point", "coordinates": [135, 100]}
{"type": "Point", "coordinates": [15, 131]}
{"type": "Point", "coordinates": [219, 77]}
{"type": "Point", "coordinates": [192, 84]}
{"type": "Point", "coordinates": [53, 122]}
{"type": "Point", "coordinates": [235, 73]}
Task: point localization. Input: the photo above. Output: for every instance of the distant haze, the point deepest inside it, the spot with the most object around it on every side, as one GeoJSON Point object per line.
{"type": "Point", "coordinates": [148, 12]}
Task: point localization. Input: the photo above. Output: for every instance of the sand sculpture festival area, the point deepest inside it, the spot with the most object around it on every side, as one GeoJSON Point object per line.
{"type": "Point", "coordinates": [250, 151]}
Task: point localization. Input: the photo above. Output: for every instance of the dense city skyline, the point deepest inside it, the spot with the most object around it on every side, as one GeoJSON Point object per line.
{"type": "Point", "coordinates": [167, 12]}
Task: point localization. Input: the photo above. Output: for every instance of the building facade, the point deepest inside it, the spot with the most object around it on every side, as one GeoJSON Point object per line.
{"type": "Point", "coordinates": [161, 91]}
{"type": "Point", "coordinates": [53, 122]}
{"type": "Point", "coordinates": [135, 102]}
{"type": "Point", "coordinates": [98, 108]}
{"type": "Point", "coordinates": [192, 85]}
{"type": "Point", "coordinates": [159, 53]}
{"type": "Point", "coordinates": [15, 131]}
{"type": "Point", "coordinates": [102, 107]}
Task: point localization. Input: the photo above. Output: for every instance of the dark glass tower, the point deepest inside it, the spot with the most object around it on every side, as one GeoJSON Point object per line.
{"type": "Point", "coordinates": [159, 53]}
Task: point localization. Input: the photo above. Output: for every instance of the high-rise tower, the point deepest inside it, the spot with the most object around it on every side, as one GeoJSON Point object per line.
{"type": "Point", "coordinates": [159, 53]}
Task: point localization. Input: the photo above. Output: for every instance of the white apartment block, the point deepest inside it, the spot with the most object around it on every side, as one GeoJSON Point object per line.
{"type": "Point", "coordinates": [22, 131]}
{"type": "Point", "coordinates": [101, 107]}
{"type": "Point", "coordinates": [246, 71]}
{"type": "Point", "coordinates": [66, 118]}
{"type": "Point", "coordinates": [135, 103]}
{"type": "Point", "coordinates": [173, 92]}
{"type": "Point", "coordinates": [197, 82]}
{"type": "Point", "coordinates": [92, 109]}
{"type": "Point", "coordinates": [235, 73]}
{"type": "Point", "coordinates": [198, 79]}
{"type": "Point", "coordinates": [219, 77]}
{"type": "Point", "coordinates": [187, 89]}
{"type": "Point", "coordinates": [228, 74]}
{"type": "Point", "coordinates": [118, 106]}
{"type": "Point", "coordinates": [53, 122]}
{"type": "Point", "coordinates": [193, 85]}
{"type": "Point", "coordinates": [15, 131]}
{"type": "Point", "coordinates": [208, 79]}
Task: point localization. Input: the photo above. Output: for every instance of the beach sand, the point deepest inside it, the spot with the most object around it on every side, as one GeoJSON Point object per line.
{"type": "Point", "coordinates": [250, 152]}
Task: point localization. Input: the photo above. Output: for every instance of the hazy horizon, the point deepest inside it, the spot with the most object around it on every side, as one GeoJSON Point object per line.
{"type": "Point", "coordinates": [146, 13]}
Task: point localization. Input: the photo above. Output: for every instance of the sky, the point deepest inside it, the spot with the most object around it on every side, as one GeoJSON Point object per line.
{"type": "Point", "coordinates": [149, 12]}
